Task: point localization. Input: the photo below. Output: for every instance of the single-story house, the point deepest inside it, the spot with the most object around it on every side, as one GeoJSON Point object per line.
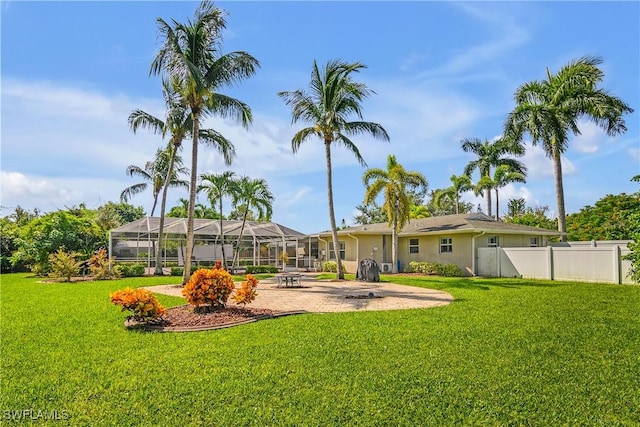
{"type": "Point", "coordinates": [449, 239]}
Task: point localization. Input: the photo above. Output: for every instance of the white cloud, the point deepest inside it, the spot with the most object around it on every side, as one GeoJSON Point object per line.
{"type": "Point", "coordinates": [634, 153]}
{"type": "Point", "coordinates": [541, 166]}
{"type": "Point", "coordinates": [591, 138]}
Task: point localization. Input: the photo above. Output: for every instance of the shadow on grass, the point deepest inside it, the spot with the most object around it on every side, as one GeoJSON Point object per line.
{"type": "Point", "coordinates": [470, 283]}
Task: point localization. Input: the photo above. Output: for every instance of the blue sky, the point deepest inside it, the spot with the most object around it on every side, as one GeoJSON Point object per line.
{"type": "Point", "coordinates": [442, 71]}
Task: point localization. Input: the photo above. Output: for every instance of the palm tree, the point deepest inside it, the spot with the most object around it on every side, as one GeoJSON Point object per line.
{"type": "Point", "coordinates": [549, 110]}
{"type": "Point", "coordinates": [332, 98]}
{"type": "Point", "coordinates": [178, 124]}
{"type": "Point", "coordinates": [155, 171]}
{"type": "Point", "coordinates": [459, 184]}
{"type": "Point", "coordinates": [491, 154]}
{"type": "Point", "coordinates": [395, 183]}
{"type": "Point", "coordinates": [251, 194]}
{"type": "Point", "coordinates": [190, 54]}
{"type": "Point", "coordinates": [219, 186]}
{"type": "Point", "coordinates": [502, 176]}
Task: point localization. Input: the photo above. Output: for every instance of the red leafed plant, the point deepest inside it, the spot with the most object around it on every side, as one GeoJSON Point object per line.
{"type": "Point", "coordinates": [246, 293]}
{"type": "Point", "coordinates": [142, 303]}
{"type": "Point", "coordinates": [212, 287]}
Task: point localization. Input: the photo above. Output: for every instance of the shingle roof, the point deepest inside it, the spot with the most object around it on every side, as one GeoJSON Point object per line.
{"type": "Point", "coordinates": [471, 222]}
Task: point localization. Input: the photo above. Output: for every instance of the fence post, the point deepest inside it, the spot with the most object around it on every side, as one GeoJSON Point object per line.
{"type": "Point", "coordinates": [616, 265]}
{"type": "Point", "coordinates": [549, 262]}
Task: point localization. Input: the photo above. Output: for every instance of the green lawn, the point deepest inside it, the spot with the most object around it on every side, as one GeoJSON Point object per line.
{"type": "Point", "coordinates": [506, 352]}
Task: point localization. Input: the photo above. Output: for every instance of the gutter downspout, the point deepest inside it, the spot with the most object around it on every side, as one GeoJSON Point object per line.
{"type": "Point", "coordinates": [474, 256]}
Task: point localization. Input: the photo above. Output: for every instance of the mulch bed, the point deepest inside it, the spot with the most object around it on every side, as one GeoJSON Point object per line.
{"type": "Point", "coordinates": [183, 318]}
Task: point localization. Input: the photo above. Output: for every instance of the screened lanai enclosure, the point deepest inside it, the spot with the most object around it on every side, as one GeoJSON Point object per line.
{"type": "Point", "coordinates": [260, 243]}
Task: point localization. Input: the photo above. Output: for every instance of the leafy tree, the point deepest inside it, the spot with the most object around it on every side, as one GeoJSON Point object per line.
{"type": "Point", "coordinates": [549, 111]}
{"type": "Point", "coordinates": [9, 232]}
{"type": "Point", "coordinates": [459, 184]}
{"type": "Point", "coordinates": [490, 155]}
{"type": "Point", "coordinates": [155, 172]}
{"type": "Point", "coordinates": [519, 213]}
{"type": "Point", "coordinates": [332, 98]}
{"type": "Point", "coordinates": [393, 182]}
{"type": "Point", "coordinates": [253, 194]}
{"type": "Point", "coordinates": [200, 211]}
{"type": "Point", "coordinates": [46, 234]}
{"type": "Point", "coordinates": [609, 219]}
{"type": "Point", "coordinates": [418, 212]}
{"type": "Point", "coordinates": [217, 187]}
{"type": "Point", "coordinates": [370, 214]}
{"type": "Point", "coordinates": [190, 55]}
{"type": "Point", "coordinates": [633, 256]}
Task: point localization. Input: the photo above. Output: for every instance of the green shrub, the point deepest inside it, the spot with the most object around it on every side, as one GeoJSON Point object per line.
{"type": "Point", "coordinates": [434, 269]}
{"type": "Point", "coordinates": [177, 271]}
{"type": "Point", "coordinates": [131, 270]}
{"type": "Point", "coordinates": [256, 269]}
{"type": "Point", "coordinates": [330, 267]}
{"type": "Point", "coordinates": [64, 265]}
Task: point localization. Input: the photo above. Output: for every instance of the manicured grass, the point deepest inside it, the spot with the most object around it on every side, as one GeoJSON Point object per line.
{"type": "Point", "coordinates": [506, 352]}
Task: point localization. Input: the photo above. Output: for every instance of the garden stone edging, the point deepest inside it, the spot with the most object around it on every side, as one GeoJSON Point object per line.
{"type": "Point", "coordinates": [134, 325]}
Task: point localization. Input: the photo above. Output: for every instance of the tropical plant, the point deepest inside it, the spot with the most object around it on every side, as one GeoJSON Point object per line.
{"type": "Point", "coordinates": [64, 265]}
{"type": "Point", "coordinates": [217, 187]}
{"type": "Point", "coordinates": [209, 286]}
{"type": "Point", "coordinates": [549, 111]}
{"type": "Point", "coordinates": [610, 218]}
{"type": "Point", "coordinates": [370, 214]}
{"type": "Point", "coordinates": [251, 194]}
{"type": "Point", "coordinates": [101, 267]}
{"type": "Point", "coordinates": [490, 155]}
{"type": "Point", "coordinates": [445, 205]}
{"type": "Point", "coordinates": [459, 184]}
{"type": "Point", "coordinates": [519, 213]}
{"type": "Point", "coordinates": [190, 55]}
{"type": "Point", "coordinates": [332, 98]}
{"type": "Point", "coordinates": [155, 171]}
{"type": "Point", "coordinates": [419, 212]}
{"type": "Point", "coordinates": [394, 182]}
{"type": "Point", "coordinates": [247, 292]}
{"type": "Point", "coordinates": [142, 304]}
{"type": "Point", "coordinates": [502, 176]}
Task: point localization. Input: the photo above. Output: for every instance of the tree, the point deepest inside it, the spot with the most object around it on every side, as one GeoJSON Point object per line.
{"type": "Point", "coordinates": [394, 183]}
{"type": "Point", "coordinates": [190, 55]}
{"type": "Point", "coordinates": [633, 219]}
{"type": "Point", "coordinates": [252, 194]}
{"type": "Point", "coordinates": [445, 205]}
{"type": "Point", "coordinates": [610, 218]}
{"type": "Point", "coordinates": [519, 213]}
{"type": "Point", "coordinates": [178, 124]}
{"type": "Point", "coordinates": [502, 176]}
{"type": "Point", "coordinates": [490, 155]}
{"type": "Point", "coordinates": [370, 214]}
{"type": "Point", "coordinates": [217, 187]}
{"type": "Point", "coordinates": [155, 171]}
{"type": "Point", "coordinates": [419, 212]}
{"type": "Point", "coordinates": [332, 98]}
{"type": "Point", "coordinates": [459, 184]}
{"type": "Point", "coordinates": [549, 111]}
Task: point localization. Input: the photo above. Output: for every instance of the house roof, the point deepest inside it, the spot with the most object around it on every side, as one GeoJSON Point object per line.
{"type": "Point", "coordinates": [461, 223]}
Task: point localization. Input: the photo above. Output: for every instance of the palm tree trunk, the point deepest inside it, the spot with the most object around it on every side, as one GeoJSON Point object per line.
{"type": "Point", "coordinates": [487, 195]}
{"type": "Point", "coordinates": [457, 203]}
{"type": "Point", "coordinates": [557, 170]}
{"type": "Point", "coordinates": [163, 204]}
{"type": "Point", "coordinates": [394, 242]}
{"type": "Point", "coordinates": [236, 255]}
{"type": "Point", "coordinates": [224, 259]}
{"type": "Point", "coordinates": [332, 216]}
{"type": "Point", "coordinates": [497, 205]}
{"type": "Point", "coordinates": [192, 195]}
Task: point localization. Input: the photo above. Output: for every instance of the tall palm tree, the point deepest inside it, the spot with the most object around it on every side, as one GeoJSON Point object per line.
{"type": "Point", "coordinates": [332, 98]}
{"type": "Point", "coordinates": [178, 125]}
{"type": "Point", "coordinates": [549, 111]}
{"type": "Point", "coordinates": [190, 54]}
{"type": "Point", "coordinates": [459, 185]}
{"type": "Point", "coordinates": [217, 187]}
{"type": "Point", "coordinates": [490, 155]}
{"type": "Point", "coordinates": [502, 176]}
{"type": "Point", "coordinates": [251, 194]}
{"type": "Point", "coordinates": [156, 171]}
{"type": "Point", "coordinates": [395, 182]}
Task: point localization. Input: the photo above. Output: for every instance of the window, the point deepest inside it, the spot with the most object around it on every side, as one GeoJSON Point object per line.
{"type": "Point", "coordinates": [493, 242]}
{"type": "Point", "coordinates": [533, 242]}
{"type": "Point", "coordinates": [314, 249]}
{"type": "Point", "coordinates": [332, 254]}
{"type": "Point", "coordinates": [446, 245]}
{"type": "Point", "coordinates": [414, 248]}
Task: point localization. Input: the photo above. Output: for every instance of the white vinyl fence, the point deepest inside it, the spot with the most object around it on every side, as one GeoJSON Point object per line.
{"type": "Point", "coordinates": [585, 264]}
